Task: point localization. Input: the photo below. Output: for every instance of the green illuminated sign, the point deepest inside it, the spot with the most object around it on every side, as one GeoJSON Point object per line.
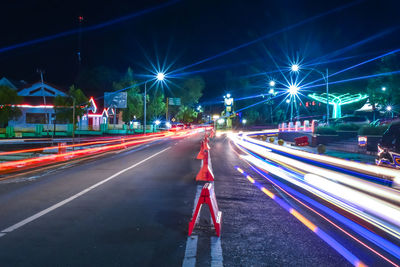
{"type": "Point", "coordinates": [337, 101]}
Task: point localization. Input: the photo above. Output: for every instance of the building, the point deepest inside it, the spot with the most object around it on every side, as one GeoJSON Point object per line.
{"type": "Point", "coordinates": [38, 104]}
{"type": "Point", "coordinates": [38, 108]}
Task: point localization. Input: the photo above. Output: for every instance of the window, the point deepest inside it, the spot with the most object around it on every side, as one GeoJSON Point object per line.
{"type": "Point", "coordinates": [36, 118]}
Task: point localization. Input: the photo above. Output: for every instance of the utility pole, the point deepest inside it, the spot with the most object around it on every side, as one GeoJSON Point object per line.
{"type": "Point", "coordinates": [166, 113]}
{"type": "Point", "coordinates": [46, 114]}
{"type": "Point", "coordinates": [327, 97]}
{"type": "Point", "coordinates": [73, 120]}
{"type": "Point", "coordinates": [144, 104]}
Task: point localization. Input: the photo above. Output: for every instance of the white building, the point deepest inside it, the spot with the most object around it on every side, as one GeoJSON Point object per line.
{"type": "Point", "coordinates": [37, 106]}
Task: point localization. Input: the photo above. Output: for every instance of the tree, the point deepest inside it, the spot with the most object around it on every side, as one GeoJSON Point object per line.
{"type": "Point", "coordinates": [186, 114]}
{"type": "Point", "coordinates": [156, 105]}
{"type": "Point", "coordinates": [391, 83]}
{"type": "Point", "coordinates": [63, 106]}
{"type": "Point", "coordinates": [8, 98]}
{"type": "Point", "coordinates": [134, 97]}
{"type": "Point", "coordinates": [191, 90]}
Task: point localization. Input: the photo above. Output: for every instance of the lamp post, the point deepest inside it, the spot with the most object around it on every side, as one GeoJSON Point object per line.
{"type": "Point", "coordinates": [160, 77]}
{"type": "Point", "coordinates": [293, 89]}
{"type": "Point", "coordinates": [271, 93]}
{"type": "Point", "coordinates": [325, 77]}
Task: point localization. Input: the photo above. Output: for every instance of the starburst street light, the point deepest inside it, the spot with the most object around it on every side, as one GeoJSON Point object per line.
{"type": "Point", "coordinates": [295, 67]}
{"type": "Point", "coordinates": [272, 83]}
{"type": "Point", "coordinates": [160, 76]}
{"type": "Point", "coordinates": [389, 108]}
{"type": "Point", "coordinates": [293, 89]}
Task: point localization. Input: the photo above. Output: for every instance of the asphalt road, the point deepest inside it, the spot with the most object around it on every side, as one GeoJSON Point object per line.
{"type": "Point", "coordinates": [133, 209]}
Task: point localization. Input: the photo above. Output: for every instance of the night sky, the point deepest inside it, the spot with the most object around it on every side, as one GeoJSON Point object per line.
{"type": "Point", "coordinates": [190, 31]}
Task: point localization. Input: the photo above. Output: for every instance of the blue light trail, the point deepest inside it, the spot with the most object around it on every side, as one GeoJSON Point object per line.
{"type": "Point", "coordinates": [89, 28]}
{"type": "Point", "coordinates": [287, 28]}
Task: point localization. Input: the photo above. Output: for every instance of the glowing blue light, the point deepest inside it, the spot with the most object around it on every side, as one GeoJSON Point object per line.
{"type": "Point", "coordinates": [271, 91]}
{"type": "Point", "coordinates": [168, 124]}
{"type": "Point", "coordinates": [160, 76]}
{"type": "Point", "coordinates": [272, 83]}
{"type": "Point", "coordinates": [295, 67]}
{"type": "Point", "coordinates": [288, 100]}
{"type": "Point", "coordinates": [228, 95]}
{"type": "Point", "coordinates": [157, 122]}
{"type": "Point", "coordinates": [383, 88]}
{"type": "Point", "coordinates": [389, 108]}
{"type": "Point", "coordinates": [244, 121]}
{"type": "Point", "coordinates": [293, 89]}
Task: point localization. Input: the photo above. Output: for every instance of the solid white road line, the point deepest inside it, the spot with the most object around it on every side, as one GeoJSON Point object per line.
{"type": "Point", "coordinates": [190, 252]}
{"type": "Point", "coordinates": [191, 243]}
{"type": "Point", "coordinates": [62, 203]}
{"type": "Point", "coordinates": [216, 252]}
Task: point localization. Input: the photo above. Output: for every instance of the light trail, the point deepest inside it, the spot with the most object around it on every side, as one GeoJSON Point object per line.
{"type": "Point", "coordinates": [287, 28]}
{"type": "Point", "coordinates": [122, 143]}
{"type": "Point", "coordinates": [379, 241]}
{"type": "Point", "coordinates": [357, 44]}
{"type": "Point", "coordinates": [111, 140]}
{"type": "Point", "coordinates": [370, 209]}
{"type": "Point", "coordinates": [355, 66]}
{"type": "Point", "coordinates": [89, 28]}
{"type": "Point", "coordinates": [376, 171]}
{"type": "Point", "coordinates": [318, 231]}
{"type": "Point", "coordinates": [18, 165]}
{"type": "Point", "coordinates": [355, 79]}
{"type": "Point", "coordinates": [371, 213]}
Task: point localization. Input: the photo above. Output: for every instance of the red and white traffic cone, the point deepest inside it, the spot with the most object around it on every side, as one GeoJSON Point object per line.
{"type": "Point", "coordinates": [205, 173]}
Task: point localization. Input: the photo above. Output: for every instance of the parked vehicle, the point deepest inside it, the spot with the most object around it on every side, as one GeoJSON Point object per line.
{"type": "Point", "coordinates": [389, 148]}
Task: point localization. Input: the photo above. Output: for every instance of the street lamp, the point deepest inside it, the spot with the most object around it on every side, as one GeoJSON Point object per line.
{"type": "Point", "coordinates": [325, 77]}
{"type": "Point", "coordinates": [389, 109]}
{"type": "Point", "coordinates": [384, 89]}
{"type": "Point", "coordinates": [293, 89]}
{"type": "Point", "coordinates": [272, 83]}
{"type": "Point", "coordinates": [295, 67]}
{"type": "Point", "coordinates": [160, 77]}
{"type": "Point", "coordinates": [244, 121]}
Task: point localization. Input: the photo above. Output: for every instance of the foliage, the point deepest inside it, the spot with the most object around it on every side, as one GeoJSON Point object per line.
{"type": "Point", "coordinates": [347, 127]}
{"type": "Point", "coordinates": [325, 130]}
{"type": "Point", "coordinates": [63, 106]}
{"type": "Point", "coordinates": [186, 114]}
{"type": "Point", "coordinates": [156, 106]}
{"type": "Point", "coordinates": [372, 130]}
{"type": "Point", "coordinates": [191, 90]}
{"type": "Point", "coordinates": [391, 82]}
{"type": "Point", "coordinates": [134, 97]}
{"type": "Point", "coordinates": [8, 97]}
